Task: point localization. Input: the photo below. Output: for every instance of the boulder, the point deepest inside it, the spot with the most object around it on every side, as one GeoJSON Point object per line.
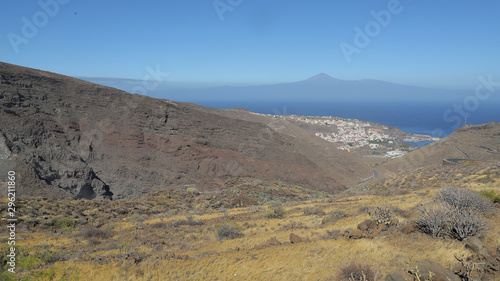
{"type": "Point", "coordinates": [399, 275]}
{"type": "Point", "coordinates": [271, 242]}
{"type": "Point", "coordinates": [475, 245]}
{"type": "Point", "coordinates": [408, 229]}
{"type": "Point", "coordinates": [294, 238]}
{"type": "Point", "coordinates": [383, 227]}
{"type": "Point", "coordinates": [367, 224]}
{"type": "Point", "coordinates": [439, 273]}
{"type": "Point", "coordinates": [353, 233]}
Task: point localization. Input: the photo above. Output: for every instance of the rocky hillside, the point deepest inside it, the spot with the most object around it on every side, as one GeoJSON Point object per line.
{"type": "Point", "coordinates": [69, 138]}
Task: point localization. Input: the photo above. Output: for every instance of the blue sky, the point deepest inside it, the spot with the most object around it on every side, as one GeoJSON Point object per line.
{"type": "Point", "coordinates": [445, 44]}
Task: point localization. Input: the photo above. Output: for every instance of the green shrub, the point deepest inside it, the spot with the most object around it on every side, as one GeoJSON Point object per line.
{"type": "Point", "coordinates": [228, 230]}
{"type": "Point", "coordinates": [44, 274]}
{"type": "Point", "coordinates": [7, 276]}
{"type": "Point", "coordinates": [29, 262]}
{"type": "Point", "coordinates": [164, 203]}
{"type": "Point", "coordinates": [192, 190]}
{"type": "Point", "coordinates": [64, 223]}
{"type": "Point", "coordinates": [276, 211]}
{"type": "Point", "coordinates": [491, 195]}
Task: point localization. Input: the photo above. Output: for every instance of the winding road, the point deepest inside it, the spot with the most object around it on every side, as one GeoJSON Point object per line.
{"type": "Point", "coordinates": [375, 175]}
{"type": "Point", "coordinates": [459, 161]}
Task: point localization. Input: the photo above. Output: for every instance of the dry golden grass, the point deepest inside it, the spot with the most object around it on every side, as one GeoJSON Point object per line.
{"type": "Point", "coordinates": [212, 259]}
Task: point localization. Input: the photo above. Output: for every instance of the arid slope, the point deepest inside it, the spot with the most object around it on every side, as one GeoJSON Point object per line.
{"type": "Point", "coordinates": [478, 142]}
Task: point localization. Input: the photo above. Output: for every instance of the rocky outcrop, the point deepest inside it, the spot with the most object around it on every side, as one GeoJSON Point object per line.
{"type": "Point", "coordinates": [294, 239]}
{"type": "Point", "coordinates": [269, 243]}
{"type": "Point", "coordinates": [476, 246]}
{"type": "Point", "coordinates": [367, 225]}
{"type": "Point", "coordinates": [437, 272]}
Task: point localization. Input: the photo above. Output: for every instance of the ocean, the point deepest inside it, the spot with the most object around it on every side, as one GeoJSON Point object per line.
{"type": "Point", "coordinates": [436, 118]}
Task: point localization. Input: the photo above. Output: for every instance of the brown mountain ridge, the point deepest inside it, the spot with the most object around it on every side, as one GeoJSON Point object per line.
{"type": "Point", "coordinates": [66, 137]}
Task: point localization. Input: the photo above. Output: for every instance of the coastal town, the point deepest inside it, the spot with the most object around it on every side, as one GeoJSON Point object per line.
{"type": "Point", "coordinates": [362, 137]}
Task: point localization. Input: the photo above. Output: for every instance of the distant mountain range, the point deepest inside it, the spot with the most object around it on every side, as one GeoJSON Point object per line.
{"type": "Point", "coordinates": [320, 87]}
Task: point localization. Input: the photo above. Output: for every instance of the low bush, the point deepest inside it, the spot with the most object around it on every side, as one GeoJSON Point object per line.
{"type": "Point", "coordinates": [164, 204]}
{"type": "Point", "coordinates": [465, 223]}
{"type": "Point", "coordinates": [433, 218]}
{"type": "Point", "coordinates": [357, 272]}
{"type": "Point", "coordinates": [465, 199]}
{"type": "Point", "coordinates": [64, 224]}
{"type": "Point", "coordinates": [443, 219]}
{"type": "Point", "coordinates": [159, 225]}
{"type": "Point", "coordinates": [188, 221]}
{"type": "Point", "coordinates": [313, 211]}
{"type": "Point", "coordinates": [490, 195]}
{"type": "Point", "coordinates": [381, 214]}
{"type": "Point", "coordinates": [30, 258]}
{"type": "Point", "coordinates": [192, 190]}
{"type": "Point", "coordinates": [276, 211]}
{"type": "Point", "coordinates": [47, 256]}
{"type": "Point", "coordinates": [228, 230]}
{"type": "Point", "coordinates": [96, 233]}
{"type": "Point", "coordinates": [334, 216]}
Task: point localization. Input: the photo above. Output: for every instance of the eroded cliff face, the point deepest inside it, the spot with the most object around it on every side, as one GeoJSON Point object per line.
{"type": "Point", "coordinates": [68, 137]}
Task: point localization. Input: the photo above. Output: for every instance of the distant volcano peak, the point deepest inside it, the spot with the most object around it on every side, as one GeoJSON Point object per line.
{"type": "Point", "coordinates": [322, 77]}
